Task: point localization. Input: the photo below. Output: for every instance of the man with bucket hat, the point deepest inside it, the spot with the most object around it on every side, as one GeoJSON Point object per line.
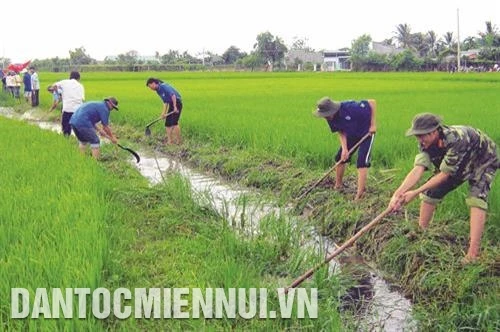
{"type": "Point", "coordinates": [459, 154]}
{"type": "Point", "coordinates": [84, 123]}
{"type": "Point", "coordinates": [353, 121]}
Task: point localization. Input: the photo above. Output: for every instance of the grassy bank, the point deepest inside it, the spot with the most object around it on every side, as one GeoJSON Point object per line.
{"type": "Point", "coordinates": [257, 129]}
{"type": "Point", "coordinates": [70, 222]}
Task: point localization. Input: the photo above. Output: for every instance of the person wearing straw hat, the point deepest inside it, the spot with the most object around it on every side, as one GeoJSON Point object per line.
{"type": "Point", "coordinates": [459, 154]}
{"type": "Point", "coordinates": [84, 123]}
{"type": "Point", "coordinates": [352, 120]}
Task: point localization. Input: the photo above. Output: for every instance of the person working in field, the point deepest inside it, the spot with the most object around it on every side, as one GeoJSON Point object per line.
{"type": "Point", "coordinates": [353, 121]}
{"type": "Point", "coordinates": [84, 123]}
{"type": "Point", "coordinates": [459, 154]}
{"type": "Point", "coordinates": [73, 95]}
{"type": "Point", "coordinates": [172, 107]}
{"type": "Point", "coordinates": [56, 97]}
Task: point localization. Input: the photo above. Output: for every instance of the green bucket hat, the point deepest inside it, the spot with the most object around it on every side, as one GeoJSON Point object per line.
{"type": "Point", "coordinates": [424, 123]}
{"type": "Point", "coordinates": [326, 107]}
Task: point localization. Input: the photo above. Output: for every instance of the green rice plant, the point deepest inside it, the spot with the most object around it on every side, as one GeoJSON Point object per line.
{"type": "Point", "coordinates": [53, 210]}
{"type": "Point", "coordinates": [182, 244]}
{"type": "Point", "coordinates": [236, 122]}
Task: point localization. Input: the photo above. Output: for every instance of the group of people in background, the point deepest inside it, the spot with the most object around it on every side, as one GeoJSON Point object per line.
{"type": "Point", "coordinates": [82, 117]}
{"type": "Point", "coordinates": [12, 81]}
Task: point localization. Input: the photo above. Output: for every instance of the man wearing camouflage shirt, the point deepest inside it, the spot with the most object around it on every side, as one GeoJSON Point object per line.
{"type": "Point", "coordinates": [459, 154]}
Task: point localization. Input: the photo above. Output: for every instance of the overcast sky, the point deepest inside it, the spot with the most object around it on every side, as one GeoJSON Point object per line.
{"type": "Point", "coordinates": [46, 29]}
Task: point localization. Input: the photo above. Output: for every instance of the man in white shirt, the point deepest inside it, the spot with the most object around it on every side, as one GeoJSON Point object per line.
{"type": "Point", "coordinates": [73, 95]}
{"type": "Point", "coordinates": [35, 87]}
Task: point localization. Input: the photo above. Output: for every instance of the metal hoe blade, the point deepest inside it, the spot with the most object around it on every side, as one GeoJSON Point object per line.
{"type": "Point", "coordinates": [135, 154]}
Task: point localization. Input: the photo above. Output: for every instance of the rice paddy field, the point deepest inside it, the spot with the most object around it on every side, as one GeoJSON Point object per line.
{"type": "Point", "coordinates": [256, 129]}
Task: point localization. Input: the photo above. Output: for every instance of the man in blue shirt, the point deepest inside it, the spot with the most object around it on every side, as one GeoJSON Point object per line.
{"type": "Point", "coordinates": [27, 86]}
{"type": "Point", "coordinates": [353, 121]}
{"type": "Point", "coordinates": [84, 123]}
{"type": "Point", "coordinates": [172, 105]}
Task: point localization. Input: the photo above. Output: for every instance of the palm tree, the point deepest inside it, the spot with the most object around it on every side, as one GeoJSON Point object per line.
{"type": "Point", "coordinates": [418, 43]}
{"type": "Point", "coordinates": [403, 35]}
{"type": "Point", "coordinates": [449, 42]}
{"type": "Point", "coordinates": [388, 42]}
{"type": "Point", "coordinates": [431, 41]}
{"type": "Point", "coordinates": [490, 38]}
{"type": "Point", "coordinates": [469, 43]}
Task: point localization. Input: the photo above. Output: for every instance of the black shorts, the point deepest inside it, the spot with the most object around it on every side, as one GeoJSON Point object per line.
{"type": "Point", "coordinates": [364, 151]}
{"type": "Point", "coordinates": [173, 119]}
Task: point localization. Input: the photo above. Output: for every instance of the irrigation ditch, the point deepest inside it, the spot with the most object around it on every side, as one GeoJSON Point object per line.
{"type": "Point", "coordinates": [386, 295]}
{"type": "Point", "coordinates": [377, 302]}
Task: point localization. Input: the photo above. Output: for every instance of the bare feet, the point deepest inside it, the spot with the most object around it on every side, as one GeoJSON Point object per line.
{"type": "Point", "coordinates": [360, 195]}
{"type": "Point", "coordinates": [469, 260]}
{"type": "Point", "coordinates": [340, 187]}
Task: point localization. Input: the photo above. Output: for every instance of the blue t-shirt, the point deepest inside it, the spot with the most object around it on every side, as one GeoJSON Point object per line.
{"type": "Point", "coordinates": [56, 95]}
{"type": "Point", "coordinates": [27, 82]}
{"type": "Point", "coordinates": [166, 91]}
{"type": "Point", "coordinates": [353, 118]}
{"type": "Point", "coordinates": [90, 113]}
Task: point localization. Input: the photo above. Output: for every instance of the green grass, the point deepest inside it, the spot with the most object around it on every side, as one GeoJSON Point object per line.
{"type": "Point", "coordinates": [68, 221]}
{"type": "Point", "coordinates": [52, 215]}
{"type": "Point", "coordinates": [257, 128]}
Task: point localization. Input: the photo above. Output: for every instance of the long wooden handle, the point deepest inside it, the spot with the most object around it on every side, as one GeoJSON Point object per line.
{"type": "Point", "coordinates": [333, 168]}
{"type": "Point", "coordinates": [340, 249]}
{"type": "Point", "coordinates": [160, 118]}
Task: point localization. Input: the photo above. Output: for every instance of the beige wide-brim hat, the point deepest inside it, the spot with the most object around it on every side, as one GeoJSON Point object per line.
{"type": "Point", "coordinates": [424, 123]}
{"type": "Point", "coordinates": [326, 107]}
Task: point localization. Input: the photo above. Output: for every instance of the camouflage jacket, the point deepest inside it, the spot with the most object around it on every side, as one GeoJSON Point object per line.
{"type": "Point", "coordinates": [466, 152]}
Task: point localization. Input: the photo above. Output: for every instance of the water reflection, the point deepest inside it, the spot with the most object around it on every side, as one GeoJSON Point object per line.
{"type": "Point", "coordinates": [386, 310]}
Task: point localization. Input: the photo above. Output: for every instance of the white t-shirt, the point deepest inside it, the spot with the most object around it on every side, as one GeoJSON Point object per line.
{"type": "Point", "coordinates": [73, 94]}
{"type": "Point", "coordinates": [35, 83]}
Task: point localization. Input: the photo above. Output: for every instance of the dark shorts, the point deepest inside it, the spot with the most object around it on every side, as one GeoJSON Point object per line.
{"type": "Point", "coordinates": [86, 136]}
{"type": "Point", "coordinates": [173, 119]}
{"type": "Point", "coordinates": [364, 151]}
{"type": "Point", "coordinates": [479, 189]}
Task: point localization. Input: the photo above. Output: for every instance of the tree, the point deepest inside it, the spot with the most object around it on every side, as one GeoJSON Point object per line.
{"type": "Point", "coordinates": [171, 57]}
{"type": "Point", "coordinates": [232, 55]}
{"type": "Point", "coordinates": [5, 62]}
{"type": "Point", "coordinates": [403, 35]}
{"type": "Point", "coordinates": [388, 42]}
{"type": "Point", "coordinates": [360, 46]}
{"type": "Point", "coordinates": [469, 43]}
{"type": "Point", "coordinates": [270, 49]}
{"type": "Point", "coordinates": [406, 61]}
{"type": "Point", "coordinates": [300, 44]}
{"type": "Point", "coordinates": [250, 61]}
{"type": "Point", "coordinates": [79, 57]}
{"type": "Point", "coordinates": [431, 44]}
{"type": "Point", "coordinates": [490, 38]}
{"type": "Point", "coordinates": [449, 44]}
{"type": "Point", "coordinates": [418, 44]}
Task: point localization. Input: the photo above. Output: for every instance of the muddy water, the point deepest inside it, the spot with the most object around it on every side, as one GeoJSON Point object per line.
{"type": "Point", "coordinates": [383, 310]}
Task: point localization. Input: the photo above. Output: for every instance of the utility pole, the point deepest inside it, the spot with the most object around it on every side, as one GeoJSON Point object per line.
{"type": "Point", "coordinates": [458, 40]}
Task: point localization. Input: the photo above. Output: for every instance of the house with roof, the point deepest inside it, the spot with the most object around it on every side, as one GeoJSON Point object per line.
{"type": "Point", "coordinates": [336, 60]}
